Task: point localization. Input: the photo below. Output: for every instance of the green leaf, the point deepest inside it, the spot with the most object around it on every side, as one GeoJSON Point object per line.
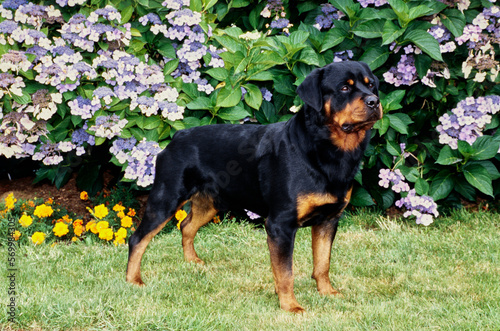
{"type": "Point", "coordinates": [382, 125]}
{"type": "Point", "coordinates": [448, 156]}
{"type": "Point", "coordinates": [166, 49]}
{"type": "Point", "coordinates": [220, 74]}
{"type": "Point", "coordinates": [401, 10]}
{"type": "Point", "coordinates": [399, 122]}
{"type": "Point", "coordinates": [375, 57]}
{"type": "Point", "coordinates": [391, 32]}
{"type": "Point", "coordinates": [23, 99]}
{"type": "Point", "coordinates": [333, 37]}
{"type": "Point", "coordinates": [253, 97]}
{"type": "Point", "coordinates": [361, 197]}
{"type": "Point", "coordinates": [233, 114]}
{"type": "Point", "coordinates": [229, 96]}
{"type": "Point", "coordinates": [309, 56]}
{"type": "Point", "coordinates": [393, 148]}
{"type": "Point", "coordinates": [454, 20]}
{"type": "Point", "coordinates": [298, 37]}
{"type": "Point", "coordinates": [170, 66]}
{"type": "Point", "coordinates": [200, 103]}
{"type": "Point", "coordinates": [426, 42]}
{"type": "Point", "coordinates": [392, 101]}
{"type": "Point", "coordinates": [484, 148]}
{"type": "Point", "coordinates": [478, 176]}
{"type": "Point", "coordinates": [422, 186]}
{"type": "Point", "coordinates": [207, 4]}
{"type": "Point", "coordinates": [370, 29]}
{"type": "Point", "coordinates": [464, 188]}
{"type": "Point", "coordinates": [127, 14]}
{"type": "Point", "coordinates": [441, 186]}
{"type": "Point", "coordinates": [419, 11]}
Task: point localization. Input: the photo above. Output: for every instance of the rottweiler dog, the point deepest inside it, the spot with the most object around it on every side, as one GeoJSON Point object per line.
{"type": "Point", "coordinates": [295, 174]}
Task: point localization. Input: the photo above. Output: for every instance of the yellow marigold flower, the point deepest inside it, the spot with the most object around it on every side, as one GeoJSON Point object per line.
{"type": "Point", "coordinates": [119, 241]}
{"type": "Point", "coordinates": [127, 222]}
{"type": "Point", "coordinates": [25, 221]}
{"type": "Point", "coordinates": [101, 225]}
{"type": "Point", "coordinates": [106, 234]}
{"type": "Point", "coordinates": [118, 207]}
{"type": "Point", "coordinates": [91, 226]}
{"type": "Point", "coordinates": [121, 214]}
{"type": "Point", "coordinates": [180, 215]}
{"type": "Point", "coordinates": [131, 212]}
{"type": "Point", "coordinates": [10, 201]}
{"type": "Point", "coordinates": [38, 237]}
{"type": "Point", "coordinates": [16, 235]}
{"type": "Point", "coordinates": [60, 229]}
{"type": "Point", "coordinates": [101, 211]}
{"type": "Point", "coordinates": [43, 211]}
{"type": "Point", "coordinates": [84, 196]}
{"type": "Point", "coordinates": [74, 239]}
{"type": "Point", "coordinates": [121, 233]}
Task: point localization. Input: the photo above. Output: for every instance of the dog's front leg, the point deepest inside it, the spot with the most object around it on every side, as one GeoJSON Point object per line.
{"type": "Point", "coordinates": [322, 239]}
{"type": "Point", "coordinates": [280, 240]}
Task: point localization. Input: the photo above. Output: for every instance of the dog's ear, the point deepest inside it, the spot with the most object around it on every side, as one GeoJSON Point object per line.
{"type": "Point", "coordinates": [310, 89]}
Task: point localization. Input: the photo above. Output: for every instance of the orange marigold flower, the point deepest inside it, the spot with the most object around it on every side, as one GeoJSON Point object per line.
{"type": "Point", "coordinates": [10, 201]}
{"type": "Point", "coordinates": [43, 211]}
{"type": "Point", "coordinates": [118, 207]}
{"type": "Point", "coordinates": [16, 235]}
{"type": "Point", "coordinates": [66, 219]}
{"type": "Point", "coordinates": [78, 230]}
{"type": "Point", "coordinates": [84, 196]}
{"type": "Point", "coordinates": [25, 220]}
{"type": "Point", "coordinates": [74, 239]}
{"type": "Point", "coordinates": [31, 204]}
{"type": "Point", "coordinates": [60, 229]}
{"type": "Point", "coordinates": [49, 201]}
{"type": "Point", "coordinates": [38, 237]}
{"type": "Point", "coordinates": [77, 223]}
{"type": "Point", "coordinates": [106, 234]}
{"type": "Point", "coordinates": [131, 212]}
{"type": "Point", "coordinates": [216, 219]}
{"type": "Point", "coordinates": [126, 222]}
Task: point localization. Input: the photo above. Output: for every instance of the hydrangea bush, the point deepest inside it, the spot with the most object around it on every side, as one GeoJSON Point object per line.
{"type": "Point", "coordinates": [124, 76]}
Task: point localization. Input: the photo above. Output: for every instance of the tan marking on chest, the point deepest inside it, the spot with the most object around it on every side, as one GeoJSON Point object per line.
{"type": "Point", "coordinates": [307, 203]}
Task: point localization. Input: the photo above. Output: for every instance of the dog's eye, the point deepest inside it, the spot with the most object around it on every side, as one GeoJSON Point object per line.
{"type": "Point", "coordinates": [370, 85]}
{"type": "Point", "coordinates": [345, 88]}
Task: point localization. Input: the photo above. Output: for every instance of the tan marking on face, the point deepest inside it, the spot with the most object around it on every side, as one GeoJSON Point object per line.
{"type": "Point", "coordinates": [367, 80]}
{"type": "Point", "coordinates": [350, 82]}
{"type": "Point", "coordinates": [328, 108]}
{"type": "Point", "coordinates": [353, 113]}
{"type": "Point", "coordinates": [307, 203]}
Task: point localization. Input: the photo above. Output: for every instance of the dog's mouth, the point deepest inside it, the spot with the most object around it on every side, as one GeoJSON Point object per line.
{"type": "Point", "coordinates": [355, 127]}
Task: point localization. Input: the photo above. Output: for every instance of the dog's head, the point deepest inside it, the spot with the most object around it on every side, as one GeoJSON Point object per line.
{"type": "Point", "coordinates": [345, 95]}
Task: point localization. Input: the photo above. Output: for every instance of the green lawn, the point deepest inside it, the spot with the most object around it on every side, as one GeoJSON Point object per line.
{"type": "Point", "coordinates": [392, 275]}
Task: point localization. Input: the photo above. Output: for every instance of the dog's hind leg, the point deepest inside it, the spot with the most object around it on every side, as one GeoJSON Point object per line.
{"type": "Point", "coordinates": [202, 212]}
{"type": "Point", "coordinates": [158, 213]}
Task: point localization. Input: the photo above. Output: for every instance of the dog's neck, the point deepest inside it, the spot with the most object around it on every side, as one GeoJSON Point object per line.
{"type": "Point", "coordinates": [310, 133]}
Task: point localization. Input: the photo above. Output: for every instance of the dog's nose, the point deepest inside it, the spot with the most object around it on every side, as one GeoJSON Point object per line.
{"type": "Point", "coordinates": [372, 101]}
